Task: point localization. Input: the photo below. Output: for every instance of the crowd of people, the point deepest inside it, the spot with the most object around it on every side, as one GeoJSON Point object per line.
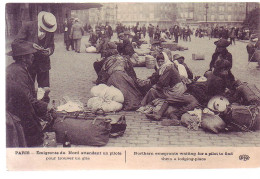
{"type": "Point", "coordinates": [173, 83]}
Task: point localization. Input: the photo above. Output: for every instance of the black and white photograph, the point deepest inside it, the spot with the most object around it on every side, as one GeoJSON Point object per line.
{"type": "Point", "coordinates": [132, 74]}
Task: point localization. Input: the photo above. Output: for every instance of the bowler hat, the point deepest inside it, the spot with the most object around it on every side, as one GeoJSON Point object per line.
{"type": "Point", "coordinates": [177, 56]}
{"type": "Point", "coordinates": [222, 43]}
{"type": "Point", "coordinates": [47, 21]}
{"type": "Point", "coordinates": [20, 47]}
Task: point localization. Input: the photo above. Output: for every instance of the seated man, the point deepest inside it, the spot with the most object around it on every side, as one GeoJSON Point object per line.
{"type": "Point", "coordinates": [21, 95]}
{"type": "Point", "coordinates": [180, 60]}
{"type": "Point", "coordinates": [93, 38]}
{"type": "Point", "coordinates": [125, 48]}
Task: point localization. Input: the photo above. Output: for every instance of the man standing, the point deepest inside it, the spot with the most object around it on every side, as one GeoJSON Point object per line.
{"type": "Point", "coordinates": [76, 33]}
{"type": "Point", "coordinates": [151, 32]}
{"type": "Point", "coordinates": [144, 30]}
{"type": "Point", "coordinates": [41, 32]}
{"type": "Point", "coordinates": [109, 31]}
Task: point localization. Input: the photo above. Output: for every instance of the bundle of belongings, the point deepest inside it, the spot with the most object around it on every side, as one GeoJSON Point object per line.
{"type": "Point", "coordinates": [109, 99]}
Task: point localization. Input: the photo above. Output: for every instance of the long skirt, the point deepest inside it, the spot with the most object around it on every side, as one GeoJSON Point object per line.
{"type": "Point", "coordinates": [165, 93]}
{"type": "Point", "coordinates": [132, 96]}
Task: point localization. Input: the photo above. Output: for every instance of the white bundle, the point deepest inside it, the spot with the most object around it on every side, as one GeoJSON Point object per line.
{"type": "Point", "coordinates": [114, 94]}
{"type": "Point", "coordinates": [71, 106]}
{"type": "Point", "coordinates": [110, 99]}
{"type": "Point", "coordinates": [112, 106]}
{"type": "Point", "coordinates": [91, 49]}
{"type": "Point", "coordinates": [99, 90]}
{"type": "Point", "coordinates": [95, 103]}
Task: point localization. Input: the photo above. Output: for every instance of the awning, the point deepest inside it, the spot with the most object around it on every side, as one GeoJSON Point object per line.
{"type": "Point", "coordinates": [81, 6]}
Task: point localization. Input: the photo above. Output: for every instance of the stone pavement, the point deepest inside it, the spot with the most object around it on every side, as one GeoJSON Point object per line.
{"type": "Point", "coordinates": [72, 75]}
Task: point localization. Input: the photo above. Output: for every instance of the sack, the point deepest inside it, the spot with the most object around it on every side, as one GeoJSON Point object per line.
{"type": "Point", "coordinates": [249, 94]}
{"type": "Point", "coordinates": [118, 126]}
{"type": "Point", "coordinates": [244, 118]}
{"type": "Point", "coordinates": [95, 103]}
{"type": "Point", "coordinates": [212, 123]}
{"type": "Point", "coordinates": [83, 132]}
{"type": "Point", "coordinates": [99, 90]}
{"type": "Point", "coordinates": [49, 139]}
{"type": "Point", "coordinates": [91, 49]}
{"type": "Point", "coordinates": [114, 94]}
{"type": "Point", "coordinates": [190, 121]}
{"type": "Point", "coordinates": [111, 106]}
{"type": "Point", "coordinates": [171, 46]}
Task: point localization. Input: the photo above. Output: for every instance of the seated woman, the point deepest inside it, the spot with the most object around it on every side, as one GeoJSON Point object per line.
{"type": "Point", "coordinates": [119, 72]}
{"type": "Point", "coordinates": [170, 88]}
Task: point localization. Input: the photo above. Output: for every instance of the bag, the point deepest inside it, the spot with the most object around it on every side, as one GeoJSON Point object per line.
{"type": "Point", "coordinates": [83, 132]}
{"type": "Point", "coordinates": [212, 123]}
{"type": "Point", "coordinates": [249, 94]}
{"type": "Point", "coordinates": [91, 49]}
{"type": "Point", "coordinates": [49, 139]}
{"type": "Point", "coordinates": [118, 126]}
{"type": "Point", "coordinates": [244, 118]}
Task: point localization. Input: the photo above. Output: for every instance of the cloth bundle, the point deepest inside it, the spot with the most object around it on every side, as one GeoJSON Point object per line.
{"type": "Point", "coordinates": [91, 49]}
{"type": "Point", "coordinates": [110, 99]}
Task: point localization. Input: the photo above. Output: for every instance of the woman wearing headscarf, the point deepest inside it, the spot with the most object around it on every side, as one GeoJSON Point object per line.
{"type": "Point", "coordinates": [119, 72]}
{"type": "Point", "coordinates": [169, 81]}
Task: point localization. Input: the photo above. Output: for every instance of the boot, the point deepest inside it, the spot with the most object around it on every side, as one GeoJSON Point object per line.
{"type": "Point", "coordinates": [157, 116]}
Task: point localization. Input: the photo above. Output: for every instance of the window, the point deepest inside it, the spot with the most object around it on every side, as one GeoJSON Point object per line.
{"type": "Point", "coordinates": [212, 17]}
{"type": "Point", "coordinates": [191, 15]}
{"type": "Point", "coordinates": [221, 17]}
{"type": "Point", "coordinates": [229, 17]}
{"type": "Point", "coordinates": [221, 8]}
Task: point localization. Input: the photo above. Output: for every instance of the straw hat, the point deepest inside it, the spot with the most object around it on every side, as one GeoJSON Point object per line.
{"type": "Point", "coordinates": [218, 103]}
{"type": "Point", "coordinates": [47, 21]}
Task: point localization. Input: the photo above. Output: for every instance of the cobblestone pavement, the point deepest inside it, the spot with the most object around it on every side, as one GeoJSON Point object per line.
{"type": "Point", "coordinates": [72, 75]}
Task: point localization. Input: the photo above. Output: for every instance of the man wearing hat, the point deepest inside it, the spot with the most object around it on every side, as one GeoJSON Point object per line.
{"type": "Point", "coordinates": [221, 48]}
{"type": "Point", "coordinates": [41, 32]}
{"type": "Point", "coordinates": [21, 95]}
{"type": "Point", "coordinates": [76, 34]}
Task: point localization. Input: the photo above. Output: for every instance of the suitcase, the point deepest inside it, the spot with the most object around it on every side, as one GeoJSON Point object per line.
{"type": "Point", "coordinates": [248, 94]}
{"type": "Point", "coordinates": [83, 132]}
{"type": "Point", "coordinates": [243, 118]}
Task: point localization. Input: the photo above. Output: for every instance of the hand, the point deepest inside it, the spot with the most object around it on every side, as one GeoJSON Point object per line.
{"type": "Point", "coordinates": [46, 52]}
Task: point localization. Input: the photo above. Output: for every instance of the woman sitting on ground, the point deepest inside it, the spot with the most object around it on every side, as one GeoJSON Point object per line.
{"type": "Point", "coordinates": [118, 71]}
{"type": "Point", "coordinates": [169, 82]}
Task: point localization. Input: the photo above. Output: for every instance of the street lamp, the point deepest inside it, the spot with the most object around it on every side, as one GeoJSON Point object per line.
{"type": "Point", "coordinates": [206, 6]}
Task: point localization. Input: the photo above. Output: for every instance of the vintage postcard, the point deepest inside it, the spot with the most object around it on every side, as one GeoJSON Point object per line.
{"type": "Point", "coordinates": [132, 85]}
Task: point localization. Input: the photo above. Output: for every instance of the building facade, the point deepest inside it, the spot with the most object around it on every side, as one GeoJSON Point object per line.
{"type": "Point", "coordinates": [220, 13]}
{"type": "Point", "coordinates": [162, 14]}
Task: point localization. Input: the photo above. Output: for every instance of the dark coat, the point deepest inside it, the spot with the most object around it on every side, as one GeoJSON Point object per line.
{"type": "Point", "coordinates": [21, 101]}
{"type": "Point", "coordinates": [19, 74]}
{"type": "Point", "coordinates": [215, 55]}
{"type": "Point", "coordinates": [126, 48]}
{"type": "Point", "coordinates": [29, 32]}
